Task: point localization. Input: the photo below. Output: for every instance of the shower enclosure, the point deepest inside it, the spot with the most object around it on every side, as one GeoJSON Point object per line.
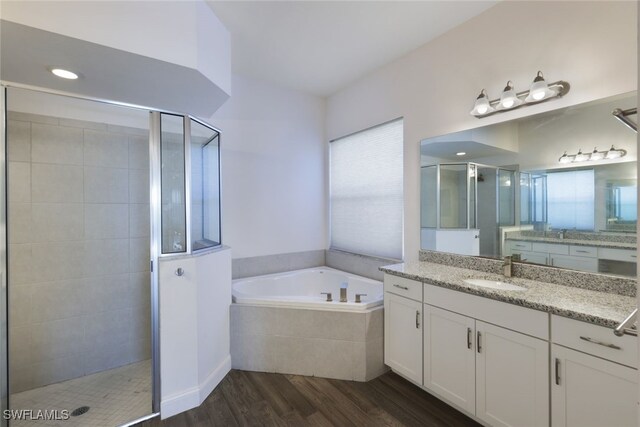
{"type": "Point", "coordinates": [464, 207]}
{"type": "Point", "coordinates": [95, 193]}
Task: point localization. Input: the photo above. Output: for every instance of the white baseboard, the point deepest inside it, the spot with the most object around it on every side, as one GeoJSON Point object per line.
{"type": "Point", "coordinates": [214, 378]}
{"type": "Point", "coordinates": [193, 397]}
{"type": "Point", "coordinates": [181, 402]}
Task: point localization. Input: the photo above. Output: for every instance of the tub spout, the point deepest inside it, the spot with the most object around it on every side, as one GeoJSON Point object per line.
{"type": "Point", "coordinates": [343, 292]}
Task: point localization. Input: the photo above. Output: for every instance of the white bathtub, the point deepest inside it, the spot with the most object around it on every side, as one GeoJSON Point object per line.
{"type": "Point", "coordinates": [303, 289]}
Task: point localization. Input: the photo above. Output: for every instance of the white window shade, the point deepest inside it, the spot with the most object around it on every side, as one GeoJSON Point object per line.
{"type": "Point", "coordinates": [571, 199]}
{"type": "Point", "coordinates": [366, 191]}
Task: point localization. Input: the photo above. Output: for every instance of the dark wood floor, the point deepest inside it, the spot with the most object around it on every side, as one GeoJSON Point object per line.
{"type": "Point", "coordinates": [259, 399]}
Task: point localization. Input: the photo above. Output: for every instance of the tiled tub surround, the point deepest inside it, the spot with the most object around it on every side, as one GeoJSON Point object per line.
{"type": "Point", "coordinates": [601, 308]}
{"type": "Point", "coordinates": [305, 335]}
{"type": "Point", "coordinates": [278, 263]}
{"type": "Point", "coordinates": [540, 273]}
{"type": "Point", "coordinates": [78, 248]}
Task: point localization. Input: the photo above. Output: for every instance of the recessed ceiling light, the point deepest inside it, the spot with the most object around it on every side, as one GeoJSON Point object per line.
{"type": "Point", "coordinates": [461, 153]}
{"type": "Point", "coordinates": [65, 74]}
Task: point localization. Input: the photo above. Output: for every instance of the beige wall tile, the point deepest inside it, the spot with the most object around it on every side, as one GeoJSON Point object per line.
{"type": "Point", "coordinates": [20, 264]}
{"type": "Point", "coordinates": [53, 261]}
{"type": "Point", "coordinates": [106, 221]}
{"type": "Point", "coordinates": [18, 141]}
{"type": "Point", "coordinates": [105, 257]}
{"type": "Point", "coordinates": [19, 182]}
{"type": "Point", "coordinates": [56, 370]}
{"type": "Point", "coordinates": [56, 144]}
{"type": "Point", "coordinates": [105, 149]}
{"type": "Point", "coordinates": [138, 186]}
{"type": "Point", "coordinates": [56, 339]}
{"type": "Point", "coordinates": [56, 183]}
{"type": "Point", "coordinates": [107, 293]}
{"type": "Point", "coordinates": [20, 307]}
{"type": "Point", "coordinates": [139, 255]}
{"type": "Point", "coordinates": [57, 300]}
{"type": "Point", "coordinates": [20, 223]}
{"type": "Point", "coordinates": [105, 185]}
{"type": "Point", "coordinates": [139, 220]}
{"type": "Point", "coordinates": [139, 152]}
{"type": "Point", "coordinates": [53, 222]}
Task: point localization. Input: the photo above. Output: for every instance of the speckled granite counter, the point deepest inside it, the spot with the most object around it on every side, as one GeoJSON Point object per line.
{"type": "Point", "coordinates": [576, 242]}
{"type": "Point", "coordinates": [601, 308]}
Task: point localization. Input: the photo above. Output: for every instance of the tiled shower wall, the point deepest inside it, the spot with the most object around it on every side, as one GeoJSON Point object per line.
{"type": "Point", "coordinates": [79, 280]}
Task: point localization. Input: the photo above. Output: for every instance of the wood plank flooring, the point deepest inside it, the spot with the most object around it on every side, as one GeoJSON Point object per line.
{"type": "Point", "coordinates": [260, 399]}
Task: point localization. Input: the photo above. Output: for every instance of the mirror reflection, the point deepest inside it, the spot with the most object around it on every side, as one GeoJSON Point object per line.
{"type": "Point", "coordinates": [558, 189]}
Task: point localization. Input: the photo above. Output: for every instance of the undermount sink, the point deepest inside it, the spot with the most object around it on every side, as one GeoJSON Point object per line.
{"type": "Point", "coordinates": [494, 284]}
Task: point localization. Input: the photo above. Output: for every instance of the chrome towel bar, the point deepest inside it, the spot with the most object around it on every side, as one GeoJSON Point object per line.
{"type": "Point", "coordinates": [623, 328]}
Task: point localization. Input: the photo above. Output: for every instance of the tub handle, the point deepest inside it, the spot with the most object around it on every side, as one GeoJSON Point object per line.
{"type": "Point", "coordinates": [328, 294]}
{"type": "Point", "coordinates": [358, 299]}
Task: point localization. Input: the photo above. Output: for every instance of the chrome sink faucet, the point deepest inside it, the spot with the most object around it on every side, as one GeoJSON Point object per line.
{"type": "Point", "coordinates": [506, 266]}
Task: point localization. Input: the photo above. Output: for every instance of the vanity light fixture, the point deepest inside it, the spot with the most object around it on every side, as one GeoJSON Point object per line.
{"type": "Point", "coordinates": [64, 74]}
{"type": "Point", "coordinates": [595, 155]}
{"type": "Point", "coordinates": [539, 91]}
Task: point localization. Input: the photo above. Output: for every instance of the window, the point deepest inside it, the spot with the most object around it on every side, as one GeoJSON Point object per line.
{"type": "Point", "coordinates": [571, 199]}
{"type": "Point", "coordinates": [366, 191]}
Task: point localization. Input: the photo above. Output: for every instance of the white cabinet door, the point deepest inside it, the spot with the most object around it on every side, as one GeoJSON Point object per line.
{"type": "Point", "coordinates": [591, 392]}
{"type": "Point", "coordinates": [533, 257]}
{"type": "Point", "coordinates": [574, 262]}
{"type": "Point", "coordinates": [449, 356]}
{"type": "Point", "coordinates": [403, 336]}
{"type": "Point", "coordinates": [512, 377]}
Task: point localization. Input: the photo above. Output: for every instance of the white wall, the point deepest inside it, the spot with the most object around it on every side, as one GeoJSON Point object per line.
{"type": "Point", "coordinates": [273, 170]}
{"type": "Point", "coordinates": [434, 87]}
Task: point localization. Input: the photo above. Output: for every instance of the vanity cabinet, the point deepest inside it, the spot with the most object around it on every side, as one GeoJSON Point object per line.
{"type": "Point", "coordinates": [403, 334]}
{"type": "Point", "coordinates": [591, 386]}
{"type": "Point", "coordinates": [588, 391]}
{"type": "Point", "coordinates": [496, 374]}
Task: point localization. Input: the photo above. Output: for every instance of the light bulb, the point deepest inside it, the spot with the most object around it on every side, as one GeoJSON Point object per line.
{"type": "Point", "coordinates": [509, 99]}
{"type": "Point", "coordinates": [597, 155]}
{"type": "Point", "coordinates": [539, 89]}
{"type": "Point", "coordinates": [482, 105]}
{"type": "Point", "coordinates": [565, 158]}
{"type": "Point", "coordinates": [65, 74]}
{"type": "Point", "coordinates": [581, 157]}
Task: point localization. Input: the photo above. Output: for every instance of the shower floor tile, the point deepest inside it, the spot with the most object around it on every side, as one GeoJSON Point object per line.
{"type": "Point", "coordinates": [115, 397]}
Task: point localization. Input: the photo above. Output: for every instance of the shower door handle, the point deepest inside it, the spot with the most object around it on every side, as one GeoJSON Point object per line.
{"type": "Point", "coordinates": [179, 272]}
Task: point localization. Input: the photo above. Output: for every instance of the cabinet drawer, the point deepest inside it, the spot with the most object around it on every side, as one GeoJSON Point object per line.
{"type": "Point", "coordinates": [586, 251]}
{"type": "Point", "coordinates": [509, 316]}
{"type": "Point", "coordinates": [617, 254]}
{"type": "Point", "coordinates": [519, 246]}
{"type": "Point", "coordinates": [551, 248]}
{"type": "Point", "coordinates": [404, 287]}
{"type": "Point", "coordinates": [595, 340]}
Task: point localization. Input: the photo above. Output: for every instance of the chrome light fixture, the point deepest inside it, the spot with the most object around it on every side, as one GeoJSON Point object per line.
{"type": "Point", "coordinates": [539, 91]}
{"type": "Point", "coordinates": [595, 155]}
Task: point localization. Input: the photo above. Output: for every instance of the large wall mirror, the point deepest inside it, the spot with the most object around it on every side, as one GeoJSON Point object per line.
{"type": "Point", "coordinates": [509, 189]}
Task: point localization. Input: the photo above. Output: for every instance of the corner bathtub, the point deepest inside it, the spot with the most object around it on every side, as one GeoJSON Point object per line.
{"type": "Point", "coordinates": [281, 323]}
{"type": "Point", "coordinates": [304, 288]}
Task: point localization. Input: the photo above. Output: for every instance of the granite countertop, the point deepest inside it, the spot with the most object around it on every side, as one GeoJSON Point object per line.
{"type": "Point", "coordinates": [600, 308]}
{"type": "Point", "coordinates": [577, 242]}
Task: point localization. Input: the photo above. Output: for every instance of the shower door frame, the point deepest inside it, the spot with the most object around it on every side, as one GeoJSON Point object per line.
{"type": "Point", "coordinates": [155, 226]}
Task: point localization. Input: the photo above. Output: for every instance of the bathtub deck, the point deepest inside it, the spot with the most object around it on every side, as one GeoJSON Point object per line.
{"type": "Point", "coordinates": [253, 398]}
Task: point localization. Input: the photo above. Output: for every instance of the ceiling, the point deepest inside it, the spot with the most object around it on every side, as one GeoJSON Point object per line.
{"type": "Point", "coordinates": [473, 150]}
{"type": "Point", "coordinates": [320, 47]}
